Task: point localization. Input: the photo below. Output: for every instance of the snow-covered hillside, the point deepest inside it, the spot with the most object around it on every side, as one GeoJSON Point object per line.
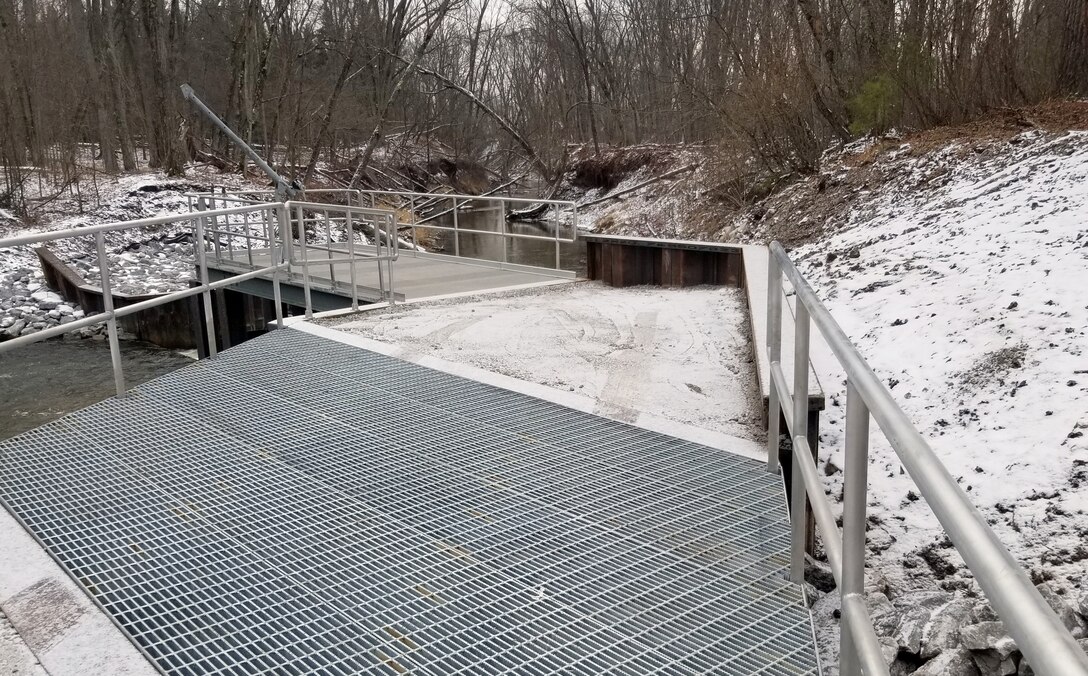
{"type": "Point", "coordinates": [962, 278]}
{"type": "Point", "coordinates": [968, 298]}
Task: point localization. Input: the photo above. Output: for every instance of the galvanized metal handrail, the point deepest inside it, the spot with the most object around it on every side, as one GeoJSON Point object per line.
{"type": "Point", "coordinates": [1048, 646]}
{"type": "Point", "coordinates": [110, 314]}
{"type": "Point", "coordinates": [500, 217]}
{"type": "Point", "coordinates": [389, 245]}
{"type": "Point", "coordinates": [410, 199]}
{"type": "Point", "coordinates": [381, 221]}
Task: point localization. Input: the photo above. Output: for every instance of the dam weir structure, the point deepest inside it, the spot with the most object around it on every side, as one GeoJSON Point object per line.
{"type": "Point", "coordinates": [303, 503]}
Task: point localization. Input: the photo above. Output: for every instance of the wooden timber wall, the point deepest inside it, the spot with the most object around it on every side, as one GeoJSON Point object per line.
{"type": "Point", "coordinates": [631, 261]}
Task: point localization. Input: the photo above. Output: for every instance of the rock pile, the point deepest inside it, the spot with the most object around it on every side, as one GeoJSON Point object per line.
{"type": "Point", "coordinates": [935, 633]}
{"type": "Point", "coordinates": [27, 306]}
{"type": "Point", "coordinates": [157, 265]}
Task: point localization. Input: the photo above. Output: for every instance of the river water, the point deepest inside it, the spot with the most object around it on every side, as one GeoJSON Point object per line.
{"type": "Point", "coordinates": [536, 252]}
{"type": "Point", "coordinates": [44, 381]}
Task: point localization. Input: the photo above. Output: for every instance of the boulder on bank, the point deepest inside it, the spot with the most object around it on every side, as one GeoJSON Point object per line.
{"type": "Point", "coordinates": [955, 662]}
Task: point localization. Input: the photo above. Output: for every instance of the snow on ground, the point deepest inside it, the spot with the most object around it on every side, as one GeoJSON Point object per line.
{"type": "Point", "coordinates": [681, 354]}
{"type": "Point", "coordinates": [147, 260]}
{"type": "Point", "coordinates": [968, 300]}
{"type": "Point", "coordinates": [663, 209]}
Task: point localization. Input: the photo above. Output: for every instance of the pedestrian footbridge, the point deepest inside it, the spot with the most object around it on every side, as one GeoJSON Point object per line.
{"type": "Point", "coordinates": [299, 505]}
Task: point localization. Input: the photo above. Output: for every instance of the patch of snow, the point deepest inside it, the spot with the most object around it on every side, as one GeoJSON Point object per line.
{"type": "Point", "coordinates": [967, 298]}
{"type": "Point", "coordinates": [680, 354]}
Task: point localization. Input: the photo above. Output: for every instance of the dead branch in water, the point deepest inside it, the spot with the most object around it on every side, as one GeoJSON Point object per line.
{"type": "Point", "coordinates": [485, 194]}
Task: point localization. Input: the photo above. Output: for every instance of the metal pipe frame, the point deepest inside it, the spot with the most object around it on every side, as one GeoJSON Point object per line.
{"type": "Point", "coordinates": [111, 314]}
{"type": "Point", "coordinates": [1047, 645]}
{"type": "Point", "coordinates": [386, 242]}
{"type": "Point", "coordinates": [414, 225]}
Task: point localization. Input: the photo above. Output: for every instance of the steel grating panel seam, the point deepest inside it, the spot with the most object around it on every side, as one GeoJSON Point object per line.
{"type": "Point", "coordinates": [316, 468]}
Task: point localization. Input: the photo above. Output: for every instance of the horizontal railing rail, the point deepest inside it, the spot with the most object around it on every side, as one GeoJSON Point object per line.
{"type": "Point", "coordinates": [283, 229]}
{"type": "Point", "coordinates": [1045, 642]}
{"type": "Point", "coordinates": [417, 204]}
{"type": "Point", "coordinates": [110, 314]}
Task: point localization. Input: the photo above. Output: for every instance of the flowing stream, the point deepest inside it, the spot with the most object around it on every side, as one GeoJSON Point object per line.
{"type": "Point", "coordinates": [536, 252]}
{"type": "Point", "coordinates": [44, 381]}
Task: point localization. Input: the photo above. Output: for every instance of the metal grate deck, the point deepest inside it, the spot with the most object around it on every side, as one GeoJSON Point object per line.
{"type": "Point", "coordinates": [297, 505]}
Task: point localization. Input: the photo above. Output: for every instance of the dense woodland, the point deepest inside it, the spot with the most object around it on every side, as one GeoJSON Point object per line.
{"type": "Point", "coordinates": [508, 83]}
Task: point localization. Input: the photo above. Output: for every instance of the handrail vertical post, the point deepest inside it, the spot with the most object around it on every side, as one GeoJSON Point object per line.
{"type": "Point", "coordinates": [378, 257]}
{"type": "Point", "coordinates": [351, 258]}
{"type": "Point", "coordinates": [799, 497]}
{"type": "Point", "coordinates": [774, 356]}
{"type": "Point", "coordinates": [855, 482]}
{"type": "Point", "coordinates": [249, 239]}
{"type": "Point", "coordinates": [412, 215]}
{"type": "Point", "coordinates": [501, 214]}
{"type": "Point", "coordinates": [392, 244]}
{"type": "Point", "coordinates": [300, 218]}
{"type": "Point", "coordinates": [328, 246]}
{"type": "Point", "coordinates": [107, 305]}
{"type": "Point", "coordinates": [392, 248]}
{"type": "Point", "coordinates": [456, 234]}
{"type": "Point", "coordinates": [214, 232]}
{"type": "Point", "coordinates": [202, 263]}
{"type": "Point", "coordinates": [557, 264]}
{"type": "Point", "coordinates": [277, 259]}
{"type": "Point", "coordinates": [230, 236]}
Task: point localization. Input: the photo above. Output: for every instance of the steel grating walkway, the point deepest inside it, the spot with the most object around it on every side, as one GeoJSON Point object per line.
{"type": "Point", "coordinates": [297, 505]}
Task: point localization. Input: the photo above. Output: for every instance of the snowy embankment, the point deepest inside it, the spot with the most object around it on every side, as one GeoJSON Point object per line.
{"type": "Point", "coordinates": [142, 261]}
{"type": "Point", "coordinates": [961, 279]}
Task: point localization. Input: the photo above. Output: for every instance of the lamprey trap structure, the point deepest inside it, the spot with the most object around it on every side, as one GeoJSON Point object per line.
{"type": "Point", "coordinates": [298, 505]}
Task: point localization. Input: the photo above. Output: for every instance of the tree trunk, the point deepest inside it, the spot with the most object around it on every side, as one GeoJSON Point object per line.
{"type": "Point", "coordinates": [383, 113]}
{"type": "Point", "coordinates": [326, 119]}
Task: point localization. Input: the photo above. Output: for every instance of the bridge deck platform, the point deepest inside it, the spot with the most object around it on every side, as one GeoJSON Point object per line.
{"type": "Point", "coordinates": [416, 274]}
{"type": "Point", "coordinates": [299, 505]}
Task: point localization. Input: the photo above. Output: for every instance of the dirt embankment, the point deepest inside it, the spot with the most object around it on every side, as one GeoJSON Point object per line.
{"type": "Point", "coordinates": [725, 198]}
{"type": "Point", "coordinates": [813, 206]}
